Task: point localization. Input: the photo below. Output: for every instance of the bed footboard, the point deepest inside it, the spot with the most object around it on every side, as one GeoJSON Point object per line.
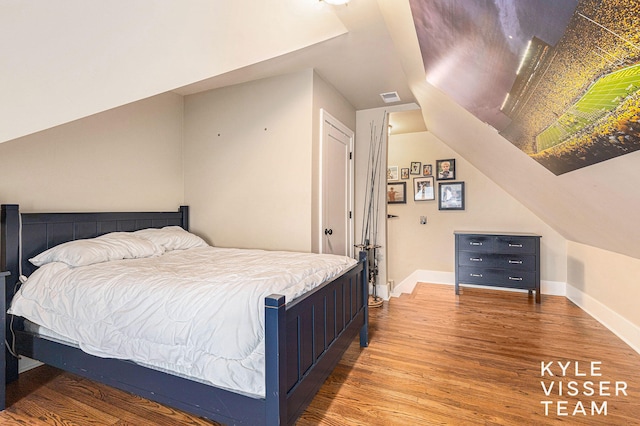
{"type": "Point", "coordinates": [306, 339]}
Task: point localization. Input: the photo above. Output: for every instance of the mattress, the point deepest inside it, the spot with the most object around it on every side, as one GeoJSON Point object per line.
{"type": "Point", "coordinates": [198, 313]}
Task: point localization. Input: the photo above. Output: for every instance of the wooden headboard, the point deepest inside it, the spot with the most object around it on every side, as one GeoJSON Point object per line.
{"type": "Point", "coordinates": [24, 235]}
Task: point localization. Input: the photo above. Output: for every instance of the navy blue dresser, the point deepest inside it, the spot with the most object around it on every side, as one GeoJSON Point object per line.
{"type": "Point", "coordinates": [498, 260]}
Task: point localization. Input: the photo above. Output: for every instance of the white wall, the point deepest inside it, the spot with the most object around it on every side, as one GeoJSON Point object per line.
{"type": "Point", "coordinates": [609, 277]}
{"type": "Point", "coordinates": [251, 160]}
{"type": "Point", "coordinates": [605, 284]}
{"type": "Point", "coordinates": [128, 158]}
{"type": "Point", "coordinates": [248, 163]}
{"type": "Point", "coordinates": [412, 246]}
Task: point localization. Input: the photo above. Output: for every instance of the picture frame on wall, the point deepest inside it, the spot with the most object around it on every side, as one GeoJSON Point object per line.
{"type": "Point", "coordinates": [427, 170]}
{"type": "Point", "coordinates": [397, 193]}
{"type": "Point", "coordinates": [446, 169]}
{"type": "Point", "coordinates": [415, 167]}
{"type": "Point", "coordinates": [404, 173]}
{"type": "Point", "coordinates": [451, 196]}
{"type": "Point", "coordinates": [392, 173]}
{"type": "Point", "coordinates": [423, 189]}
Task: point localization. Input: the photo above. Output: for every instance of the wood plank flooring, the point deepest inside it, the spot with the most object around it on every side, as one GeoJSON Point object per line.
{"type": "Point", "coordinates": [434, 359]}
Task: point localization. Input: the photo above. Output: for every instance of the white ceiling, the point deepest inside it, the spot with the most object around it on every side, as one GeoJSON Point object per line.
{"type": "Point", "coordinates": [361, 64]}
{"type": "Point", "coordinates": [62, 60]}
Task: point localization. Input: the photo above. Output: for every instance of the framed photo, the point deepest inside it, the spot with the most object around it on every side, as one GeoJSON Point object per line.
{"type": "Point", "coordinates": [415, 167]}
{"type": "Point", "coordinates": [427, 170]}
{"type": "Point", "coordinates": [451, 196]}
{"type": "Point", "coordinates": [397, 193]}
{"type": "Point", "coordinates": [423, 189]}
{"type": "Point", "coordinates": [404, 173]}
{"type": "Point", "coordinates": [446, 169]}
{"type": "Point", "coordinates": [392, 173]}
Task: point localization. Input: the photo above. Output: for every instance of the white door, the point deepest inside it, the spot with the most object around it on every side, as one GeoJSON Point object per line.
{"type": "Point", "coordinates": [336, 222]}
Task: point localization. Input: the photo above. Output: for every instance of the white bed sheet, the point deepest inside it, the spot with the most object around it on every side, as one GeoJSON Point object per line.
{"type": "Point", "coordinates": [197, 312]}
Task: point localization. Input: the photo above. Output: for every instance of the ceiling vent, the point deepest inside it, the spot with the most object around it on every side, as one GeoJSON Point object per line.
{"type": "Point", "coordinates": [390, 97]}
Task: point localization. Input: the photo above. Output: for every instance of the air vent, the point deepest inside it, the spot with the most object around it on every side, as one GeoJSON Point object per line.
{"type": "Point", "coordinates": [390, 97]}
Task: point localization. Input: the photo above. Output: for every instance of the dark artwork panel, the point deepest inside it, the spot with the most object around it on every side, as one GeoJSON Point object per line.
{"type": "Point", "coordinates": [559, 79]}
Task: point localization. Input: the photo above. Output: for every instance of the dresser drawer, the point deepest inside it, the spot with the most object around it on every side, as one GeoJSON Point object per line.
{"type": "Point", "coordinates": [471, 275]}
{"type": "Point", "coordinates": [525, 262]}
{"type": "Point", "coordinates": [497, 277]}
{"type": "Point", "coordinates": [476, 259]}
{"type": "Point", "coordinates": [497, 260]}
{"type": "Point", "coordinates": [481, 243]}
{"type": "Point", "coordinates": [514, 244]}
{"type": "Point", "coordinates": [516, 279]}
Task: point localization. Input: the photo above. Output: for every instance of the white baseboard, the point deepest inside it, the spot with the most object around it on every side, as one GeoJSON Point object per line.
{"type": "Point", "coordinates": [617, 324]}
{"type": "Point", "coordinates": [422, 276]}
{"type": "Point", "coordinates": [26, 364]}
{"type": "Point", "coordinates": [553, 288]}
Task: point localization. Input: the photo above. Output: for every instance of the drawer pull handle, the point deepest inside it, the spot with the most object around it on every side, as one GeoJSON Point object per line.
{"type": "Point", "coordinates": [475, 243]}
{"type": "Point", "coordinates": [515, 245]}
{"type": "Point", "coordinates": [475, 259]}
{"type": "Point", "coordinates": [476, 275]}
{"type": "Point", "coordinates": [515, 262]}
{"type": "Point", "coordinates": [515, 278]}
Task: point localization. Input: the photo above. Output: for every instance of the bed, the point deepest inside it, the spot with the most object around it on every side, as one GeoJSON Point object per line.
{"type": "Point", "coordinates": [304, 336]}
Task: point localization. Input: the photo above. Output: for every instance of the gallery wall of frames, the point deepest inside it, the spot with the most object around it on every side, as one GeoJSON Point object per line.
{"type": "Point", "coordinates": [423, 182]}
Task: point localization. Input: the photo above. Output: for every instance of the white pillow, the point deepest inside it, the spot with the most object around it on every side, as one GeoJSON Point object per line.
{"type": "Point", "coordinates": [112, 246]}
{"type": "Point", "coordinates": [171, 238]}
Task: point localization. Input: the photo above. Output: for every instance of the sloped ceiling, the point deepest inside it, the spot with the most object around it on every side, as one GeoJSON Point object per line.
{"type": "Point", "coordinates": [61, 60]}
{"type": "Point", "coordinates": [597, 205]}
{"type": "Point", "coordinates": [361, 64]}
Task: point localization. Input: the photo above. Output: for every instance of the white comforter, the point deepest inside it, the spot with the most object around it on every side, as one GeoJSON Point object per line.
{"type": "Point", "coordinates": [196, 312]}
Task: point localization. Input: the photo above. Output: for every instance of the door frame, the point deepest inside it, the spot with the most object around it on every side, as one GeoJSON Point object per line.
{"type": "Point", "coordinates": [327, 119]}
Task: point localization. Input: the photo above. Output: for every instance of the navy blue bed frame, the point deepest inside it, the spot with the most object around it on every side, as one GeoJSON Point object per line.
{"type": "Point", "coordinates": [304, 339]}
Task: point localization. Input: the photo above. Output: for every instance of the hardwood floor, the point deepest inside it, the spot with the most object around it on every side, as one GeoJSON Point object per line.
{"type": "Point", "coordinates": [434, 358]}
